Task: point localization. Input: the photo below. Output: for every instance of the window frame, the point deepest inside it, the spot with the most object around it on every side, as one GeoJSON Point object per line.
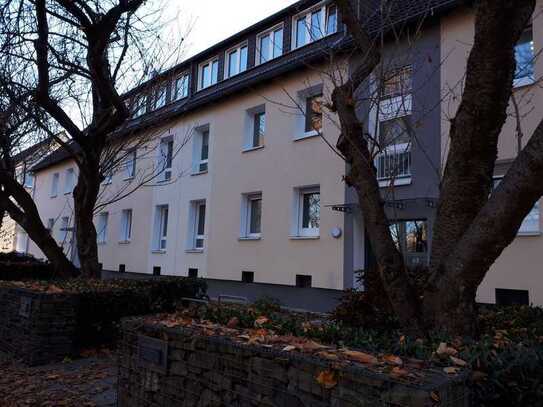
{"type": "Point", "coordinates": [64, 229]}
{"type": "Point", "coordinates": [307, 15]}
{"type": "Point", "coordinates": [162, 214]}
{"type": "Point", "coordinates": [201, 78]}
{"type": "Point", "coordinates": [69, 178]}
{"type": "Point", "coordinates": [165, 161]}
{"type": "Point", "coordinates": [139, 105]}
{"type": "Point", "coordinates": [237, 49]}
{"type": "Point", "coordinates": [174, 89]}
{"type": "Point", "coordinates": [126, 226]}
{"type": "Point", "coordinates": [528, 79]}
{"type": "Point", "coordinates": [102, 228]}
{"type": "Point", "coordinates": [130, 163]}
{"type": "Point", "coordinates": [246, 216]}
{"type": "Point", "coordinates": [270, 32]}
{"type": "Point", "coordinates": [310, 113]}
{"type": "Point", "coordinates": [160, 93]}
{"type": "Point", "coordinates": [194, 236]}
{"type": "Point", "coordinates": [55, 181]}
{"type": "Point", "coordinates": [298, 229]}
{"type": "Point", "coordinates": [201, 165]}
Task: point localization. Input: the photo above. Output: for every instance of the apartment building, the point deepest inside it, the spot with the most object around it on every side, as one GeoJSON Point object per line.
{"type": "Point", "coordinates": [251, 197]}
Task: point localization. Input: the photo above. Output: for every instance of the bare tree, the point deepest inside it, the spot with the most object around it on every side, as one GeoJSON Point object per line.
{"type": "Point", "coordinates": [84, 54]}
{"type": "Point", "coordinates": [472, 226]}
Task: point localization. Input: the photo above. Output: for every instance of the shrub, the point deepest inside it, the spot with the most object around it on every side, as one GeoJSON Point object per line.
{"type": "Point", "coordinates": [17, 267]}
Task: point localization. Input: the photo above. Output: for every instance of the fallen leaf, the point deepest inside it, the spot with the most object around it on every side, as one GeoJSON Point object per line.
{"type": "Point", "coordinates": [328, 355]}
{"type": "Point", "coordinates": [327, 379]}
{"type": "Point", "coordinates": [393, 360]}
{"type": "Point", "coordinates": [451, 370]}
{"type": "Point", "coordinates": [444, 350]}
{"type": "Point", "coordinates": [289, 348]}
{"type": "Point", "coordinates": [53, 289]}
{"type": "Point", "coordinates": [233, 323]}
{"type": "Point", "coordinates": [261, 321]}
{"type": "Point", "coordinates": [361, 357]}
{"type": "Point", "coordinates": [310, 346]}
{"type": "Point", "coordinates": [435, 396]}
{"type": "Point", "coordinates": [399, 372]}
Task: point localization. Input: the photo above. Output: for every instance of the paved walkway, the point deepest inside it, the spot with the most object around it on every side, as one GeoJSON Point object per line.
{"type": "Point", "coordinates": [88, 382]}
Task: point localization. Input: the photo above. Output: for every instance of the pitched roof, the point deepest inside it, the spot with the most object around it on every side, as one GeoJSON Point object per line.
{"type": "Point", "coordinates": [378, 15]}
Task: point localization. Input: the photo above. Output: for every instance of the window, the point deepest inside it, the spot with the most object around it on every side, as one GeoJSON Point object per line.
{"type": "Point", "coordinates": [251, 223]}
{"type": "Point", "coordinates": [313, 115]}
{"type": "Point", "coordinates": [270, 45]}
{"type": "Point", "coordinates": [166, 159]}
{"type": "Point", "coordinates": [28, 180]}
{"type": "Point", "coordinates": [101, 227]}
{"type": "Point", "coordinates": [308, 209]}
{"type": "Point", "coordinates": [108, 176]}
{"type": "Point", "coordinates": [69, 181]}
{"type": "Point", "coordinates": [525, 57]}
{"type": "Point", "coordinates": [303, 281]}
{"type": "Point", "coordinates": [395, 130]}
{"type": "Point", "coordinates": [160, 96]}
{"type": "Point", "coordinates": [161, 227]}
{"type": "Point", "coordinates": [248, 277]}
{"type": "Point", "coordinates": [395, 144]}
{"type": "Point", "coordinates": [180, 88]}
{"type": "Point", "coordinates": [197, 226]}
{"type": "Point", "coordinates": [397, 82]}
{"type": "Point", "coordinates": [201, 151]}
{"type": "Point", "coordinates": [259, 129]}
{"type": "Point", "coordinates": [314, 25]}
{"type": "Point", "coordinates": [54, 184]}
{"type": "Point", "coordinates": [193, 273]}
{"type": "Point", "coordinates": [531, 224]}
{"type": "Point", "coordinates": [64, 229]}
{"type": "Point", "coordinates": [512, 297]}
{"type": "Point", "coordinates": [411, 238]}
{"type": "Point", "coordinates": [209, 73]}
{"type": "Point", "coordinates": [236, 61]}
{"type": "Point", "coordinates": [126, 225]}
{"type": "Point", "coordinates": [140, 105]}
{"type": "Point", "coordinates": [130, 164]}
{"type": "Point", "coordinates": [50, 225]}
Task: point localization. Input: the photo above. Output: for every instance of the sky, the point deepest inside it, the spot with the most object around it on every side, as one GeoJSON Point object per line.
{"type": "Point", "coordinates": [216, 20]}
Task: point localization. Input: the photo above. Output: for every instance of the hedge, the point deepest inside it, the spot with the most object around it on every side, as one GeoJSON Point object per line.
{"type": "Point", "coordinates": [18, 267]}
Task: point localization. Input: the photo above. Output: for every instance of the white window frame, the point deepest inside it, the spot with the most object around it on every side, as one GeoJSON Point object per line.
{"type": "Point", "coordinates": [246, 214]}
{"type": "Point", "coordinates": [271, 53]}
{"type": "Point", "coordinates": [297, 230]}
{"type": "Point", "coordinates": [213, 81]}
{"type": "Point", "coordinates": [108, 177]}
{"type": "Point", "coordinates": [161, 227]}
{"type": "Point", "coordinates": [194, 216]}
{"type": "Point", "coordinates": [525, 228]}
{"type": "Point", "coordinates": [28, 181]}
{"type": "Point", "coordinates": [102, 227]}
{"type": "Point", "coordinates": [50, 225]}
{"type": "Point", "coordinates": [160, 96]}
{"type": "Point", "coordinates": [163, 152]}
{"type": "Point", "coordinates": [139, 106]}
{"type": "Point", "coordinates": [390, 109]}
{"type": "Point", "coordinates": [130, 162]}
{"type": "Point", "coordinates": [237, 49]}
{"type": "Point", "coordinates": [197, 161]}
{"type": "Point", "coordinates": [126, 226]}
{"type": "Point", "coordinates": [55, 180]}
{"type": "Point", "coordinates": [184, 78]}
{"type": "Point", "coordinates": [69, 178]}
{"type": "Point", "coordinates": [64, 230]}
{"type": "Point", "coordinates": [248, 139]}
{"type": "Point", "coordinates": [528, 79]}
{"type": "Point", "coordinates": [323, 8]}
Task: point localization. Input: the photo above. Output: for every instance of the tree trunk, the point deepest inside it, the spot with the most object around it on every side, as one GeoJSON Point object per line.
{"type": "Point", "coordinates": [26, 214]}
{"type": "Point", "coordinates": [85, 197]}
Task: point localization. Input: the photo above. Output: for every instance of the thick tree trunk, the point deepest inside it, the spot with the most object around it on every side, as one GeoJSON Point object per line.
{"type": "Point", "coordinates": [26, 214]}
{"type": "Point", "coordinates": [85, 197]}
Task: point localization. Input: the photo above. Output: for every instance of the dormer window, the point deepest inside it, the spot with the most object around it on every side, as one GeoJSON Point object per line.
{"type": "Point", "coordinates": [160, 96]}
{"type": "Point", "coordinates": [209, 73]}
{"type": "Point", "coordinates": [269, 45]}
{"type": "Point", "coordinates": [236, 60]}
{"type": "Point", "coordinates": [314, 24]}
{"type": "Point", "coordinates": [139, 105]}
{"type": "Point", "coordinates": [180, 88]}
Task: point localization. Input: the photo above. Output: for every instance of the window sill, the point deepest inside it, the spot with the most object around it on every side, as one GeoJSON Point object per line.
{"type": "Point", "coordinates": [128, 178]}
{"type": "Point", "coordinates": [101, 243]}
{"type": "Point", "coordinates": [249, 238]}
{"type": "Point", "coordinates": [124, 242]}
{"type": "Point", "coordinates": [316, 237]}
{"type": "Point", "coordinates": [306, 135]}
{"type": "Point", "coordinates": [53, 196]}
{"type": "Point", "coordinates": [249, 149]}
{"type": "Point", "coordinates": [397, 182]}
{"type": "Point", "coordinates": [195, 174]}
{"type": "Point", "coordinates": [158, 251]}
{"type": "Point", "coordinates": [194, 251]}
{"type": "Point", "coordinates": [68, 193]}
{"type": "Point", "coordinates": [528, 234]}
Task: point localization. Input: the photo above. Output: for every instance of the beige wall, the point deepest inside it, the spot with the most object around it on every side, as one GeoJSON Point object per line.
{"type": "Point", "coordinates": [275, 170]}
{"type": "Point", "coordinates": [519, 266]}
